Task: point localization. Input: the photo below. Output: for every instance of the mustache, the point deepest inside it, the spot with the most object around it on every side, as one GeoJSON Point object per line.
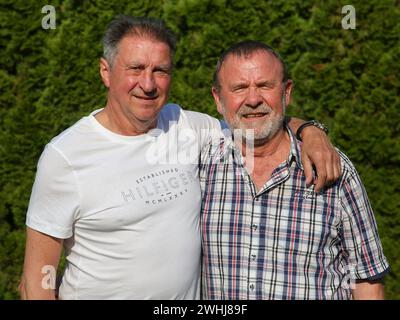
{"type": "Point", "coordinates": [263, 108]}
{"type": "Point", "coordinates": [145, 95]}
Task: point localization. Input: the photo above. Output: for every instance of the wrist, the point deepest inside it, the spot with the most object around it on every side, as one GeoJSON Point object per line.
{"type": "Point", "coordinates": [310, 127]}
{"type": "Point", "coordinates": [310, 131]}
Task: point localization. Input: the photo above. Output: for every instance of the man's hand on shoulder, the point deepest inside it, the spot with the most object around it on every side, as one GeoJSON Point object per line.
{"type": "Point", "coordinates": [317, 152]}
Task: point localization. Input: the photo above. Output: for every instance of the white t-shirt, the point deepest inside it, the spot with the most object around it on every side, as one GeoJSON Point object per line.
{"type": "Point", "coordinates": [127, 206]}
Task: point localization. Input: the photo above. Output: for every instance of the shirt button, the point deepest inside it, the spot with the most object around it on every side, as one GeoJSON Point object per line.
{"type": "Point", "coordinates": [251, 286]}
{"type": "Point", "coordinates": [253, 257]}
{"type": "Point", "coordinates": [254, 226]}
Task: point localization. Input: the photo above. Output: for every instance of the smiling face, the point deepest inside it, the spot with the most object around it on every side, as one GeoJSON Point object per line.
{"type": "Point", "coordinates": [139, 79]}
{"type": "Point", "coordinates": [252, 94]}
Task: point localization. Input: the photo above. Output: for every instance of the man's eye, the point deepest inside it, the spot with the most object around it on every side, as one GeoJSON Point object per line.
{"type": "Point", "coordinates": [266, 86]}
{"type": "Point", "coordinates": [161, 71]}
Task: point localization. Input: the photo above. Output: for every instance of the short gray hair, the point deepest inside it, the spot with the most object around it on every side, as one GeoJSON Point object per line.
{"type": "Point", "coordinates": [246, 48]}
{"type": "Point", "coordinates": [124, 25]}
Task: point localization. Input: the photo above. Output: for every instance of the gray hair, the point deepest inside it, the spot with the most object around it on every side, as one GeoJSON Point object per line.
{"type": "Point", "coordinates": [124, 25]}
{"type": "Point", "coordinates": [246, 48]}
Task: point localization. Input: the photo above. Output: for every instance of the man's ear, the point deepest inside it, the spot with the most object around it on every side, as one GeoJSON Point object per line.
{"type": "Point", "coordinates": [288, 91]}
{"type": "Point", "coordinates": [217, 100]}
{"type": "Point", "coordinates": [105, 71]}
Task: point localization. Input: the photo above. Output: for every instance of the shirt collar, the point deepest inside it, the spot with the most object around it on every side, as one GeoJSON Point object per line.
{"type": "Point", "coordinates": [295, 148]}
{"type": "Point", "coordinates": [294, 153]}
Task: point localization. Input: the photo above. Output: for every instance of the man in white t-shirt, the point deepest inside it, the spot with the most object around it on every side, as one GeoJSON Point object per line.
{"type": "Point", "coordinates": [119, 189]}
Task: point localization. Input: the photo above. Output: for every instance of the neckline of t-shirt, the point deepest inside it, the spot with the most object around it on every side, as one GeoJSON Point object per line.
{"type": "Point", "coordinates": [152, 134]}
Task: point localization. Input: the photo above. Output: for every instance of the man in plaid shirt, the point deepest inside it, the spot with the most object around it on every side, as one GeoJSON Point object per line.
{"type": "Point", "coordinates": [267, 234]}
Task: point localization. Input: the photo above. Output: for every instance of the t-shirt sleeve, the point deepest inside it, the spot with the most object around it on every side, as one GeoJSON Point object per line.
{"type": "Point", "coordinates": [54, 202]}
{"type": "Point", "coordinates": [360, 233]}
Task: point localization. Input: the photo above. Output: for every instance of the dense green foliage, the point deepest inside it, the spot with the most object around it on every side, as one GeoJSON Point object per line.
{"type": "Point", "coordinates": [346, 78]}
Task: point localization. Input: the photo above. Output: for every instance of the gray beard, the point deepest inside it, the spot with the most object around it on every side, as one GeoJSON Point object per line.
{"type": "Point", "coordinates": [259, 134]}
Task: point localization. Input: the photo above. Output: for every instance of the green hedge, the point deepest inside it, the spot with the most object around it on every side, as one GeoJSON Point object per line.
{"type": "Point", "coordinates": [346, 78]}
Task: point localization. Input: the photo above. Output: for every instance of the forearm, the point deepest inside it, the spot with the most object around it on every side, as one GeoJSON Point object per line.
{"type": "Point", "coordinates": [294, 123]}
{"type": "Point", "coordinates": [368, 291]}
{"type": "Point", "coordinates": [42, 255]}
{"type": "Point", "coordinates": [36, 289]}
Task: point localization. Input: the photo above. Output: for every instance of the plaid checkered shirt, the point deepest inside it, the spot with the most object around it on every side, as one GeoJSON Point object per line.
{"type": "Point", "coordinates": [283, 241]}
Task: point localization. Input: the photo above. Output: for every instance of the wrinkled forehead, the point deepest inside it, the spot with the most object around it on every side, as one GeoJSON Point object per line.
{"type": "Point", "coordinates": [134, 46]}
{"type": "Point", "coordinates": [259, 62]}
{"type": "Point", "coordinates": [135, 38]}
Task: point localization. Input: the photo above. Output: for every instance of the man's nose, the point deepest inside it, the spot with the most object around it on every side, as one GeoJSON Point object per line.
{"type": "Point", "coordinates": [147, 83]}
{"type": "Point", "coordinates": [253, 98]}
